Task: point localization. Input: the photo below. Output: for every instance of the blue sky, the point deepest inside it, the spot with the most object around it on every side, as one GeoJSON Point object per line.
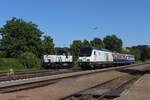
{"type": "Point", "coordinates": [68, 20]}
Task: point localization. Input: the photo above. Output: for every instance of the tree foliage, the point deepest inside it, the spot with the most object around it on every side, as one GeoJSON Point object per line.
{"type": "Point", "coordinates": [97, 43]}
{"type": "Point", "coordinates": [113, 43]}
{"type": "Point", "coordinates": [19, 36]}
{"type": "Point", "coordinates": [75, 47]}
{"type": "Point", "coordinates": [48, 45]}
{"type": "Point", "coordinates": [30, 60]}
{"type": "Point", "coordinates": [141, 52]}
{"type": "Point", "coordinates": [86, 43]}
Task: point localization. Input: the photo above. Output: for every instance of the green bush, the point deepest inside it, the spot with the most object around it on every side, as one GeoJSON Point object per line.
{"type": "Point", "coordinates": [29, 60]}
{"type": "Point", "coordinates": [8, 63]}
{"type": "Point", "coordinates": [2, 54]}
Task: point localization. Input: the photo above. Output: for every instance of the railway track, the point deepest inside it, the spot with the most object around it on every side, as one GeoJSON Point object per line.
{"type": "Point", "coordinates": [105, 91]}
{"type": "Point", "coordinates": [108, 90]}
{"type": "Point", "coordinates": [15, 85]}
{"type": "Point", "coordinates": [31, 74]}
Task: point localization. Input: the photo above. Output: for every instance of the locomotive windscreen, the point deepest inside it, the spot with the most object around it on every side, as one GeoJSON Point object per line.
{"type": "Point", "coordinates": [61, 52]}
{"type": "Point", "coordinates": [85, 51]}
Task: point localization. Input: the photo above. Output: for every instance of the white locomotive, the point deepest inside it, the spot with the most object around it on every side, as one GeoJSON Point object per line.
{"type": "Point", "coordinates": [92, 57]}
{"type": "Point", "coordinates": [96, 58]}
{"type": "Point", "coordinates": [63, 59]}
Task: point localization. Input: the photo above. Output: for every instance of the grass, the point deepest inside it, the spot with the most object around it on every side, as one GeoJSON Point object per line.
{"type": "Point", "coordinates": [139, 61]}
{"type": "Point", "coordinates": [12, 63]}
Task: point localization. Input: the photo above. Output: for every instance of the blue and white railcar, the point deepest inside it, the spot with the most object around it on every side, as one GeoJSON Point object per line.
{"type": "Point", "coordinates": [123, 59]}
{"type": "Point", "coordinates": [119, 59]}
{"type": "Point", "coordinates": [130, 59]}
{"type": "Point", "coordinates": [92, 58]}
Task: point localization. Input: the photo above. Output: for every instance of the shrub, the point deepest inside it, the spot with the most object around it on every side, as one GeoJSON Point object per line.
{"type": "Point", "coordinates": [30, 60]}
{"type": "Point", "coordinates": [8, 63]}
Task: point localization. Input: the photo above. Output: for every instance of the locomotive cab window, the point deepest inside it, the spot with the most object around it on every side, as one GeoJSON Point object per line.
{"type": "Point", "coordinates": [87, 51]}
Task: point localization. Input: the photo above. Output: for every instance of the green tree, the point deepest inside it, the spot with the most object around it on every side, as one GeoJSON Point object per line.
{"type": "Point", "coordinates": [48, 45]}
{"type": "Point", "coordinates": [149, 52]}
{"type": "Point", "coordinates": [75, 47]}
{"type": "Point", "coordinates": [19, 36]}
{"type": "Point", "coordinates": [30, 60]}
{"type": "Point", "coordinates": [112, 42]}
{"type": "Point", "coordinates": [86, 43]}
{"type": "Point", "coordinates": [144, 52]}
{"type": "Point", "coordinates": [136, 52]}
{"type": "Point", "coordinates": [97, 43]}
{"type": "Point", "coordinates": [141, 52]}
{"type": "Point", "coordinates": [125, 50]}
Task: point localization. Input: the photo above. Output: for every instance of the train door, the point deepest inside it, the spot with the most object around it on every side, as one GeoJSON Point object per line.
{"type": "Point", "coordinates": [107, 57]}
{"type": "Point", "coordinates": [95, 56]}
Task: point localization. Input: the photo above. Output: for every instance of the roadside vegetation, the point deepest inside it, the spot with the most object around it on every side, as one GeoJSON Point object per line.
{"type": "Point", "coordinates": [13, 63]}
{"type": "Point", "coordinates": [23, 44]}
